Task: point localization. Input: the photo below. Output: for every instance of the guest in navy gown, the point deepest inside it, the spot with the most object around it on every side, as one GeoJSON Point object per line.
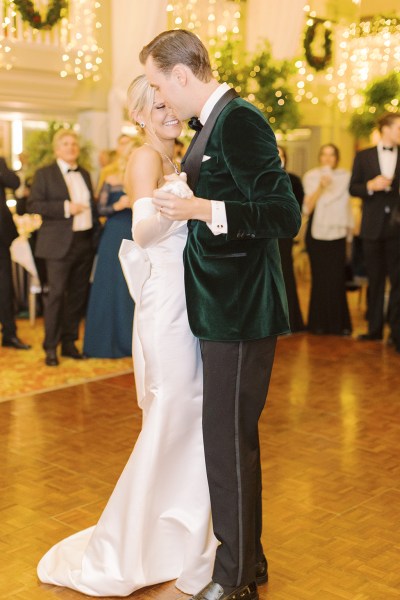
{"type": "Point", "coordinates": [109, 320]}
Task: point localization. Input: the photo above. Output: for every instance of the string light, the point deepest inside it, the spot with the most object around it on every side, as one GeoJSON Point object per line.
{"type": "Point", "coordinates": [215, 22]}
{"type": "Point", "coordinates": [75, 35]}
{"type": "Point", "coordinates": [82, 55]}
{"type": "Point", "coordinates": [367, 50]}
{"type": "Point", "coordinates": [364, 50]}
{"type": "Point", "coordinates": [6, 33]}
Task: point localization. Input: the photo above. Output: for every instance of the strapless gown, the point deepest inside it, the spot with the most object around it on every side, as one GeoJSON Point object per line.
{"type": "Point", "coordinates": [156, 526]}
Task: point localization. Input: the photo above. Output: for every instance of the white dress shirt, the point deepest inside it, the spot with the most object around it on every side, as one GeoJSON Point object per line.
{"type": "Point", "coordinates": [387, 160]}
{"type": "Point", "coordinates": [79, 194]}
{"type": "Point", "coordinates": [219, 223]}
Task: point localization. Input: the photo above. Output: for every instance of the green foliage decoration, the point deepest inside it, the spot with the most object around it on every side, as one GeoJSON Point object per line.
{"type": "Point", "coordinates": [319, 63]}
{"type": "Point", "coordinates": [32, 16]}
{"type": "Point", "coordinates": [261, 80]}
{"type": "Point", "coordinates": [38, 145]}
{"type": "Point", "coordinates": [382, 95]}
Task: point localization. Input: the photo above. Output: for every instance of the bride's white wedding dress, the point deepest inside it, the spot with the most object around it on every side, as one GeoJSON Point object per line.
{"type": "Point", "coordinates": [157, 523]}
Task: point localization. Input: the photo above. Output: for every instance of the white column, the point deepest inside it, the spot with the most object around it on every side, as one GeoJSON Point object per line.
{"type": "Point", "coordinates": [134, 23]}
{"type": "Point", "coordinates": [281, 22]}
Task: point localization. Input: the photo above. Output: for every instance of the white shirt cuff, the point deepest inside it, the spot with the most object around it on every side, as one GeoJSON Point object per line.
{"type": "Point", "coordinates": [219, 223]}
{"type": "Point", "coordinates": [67, 210]}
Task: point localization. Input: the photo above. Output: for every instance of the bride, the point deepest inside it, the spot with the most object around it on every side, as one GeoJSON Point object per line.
{"type": "Point", "coordinates": [156, 525]}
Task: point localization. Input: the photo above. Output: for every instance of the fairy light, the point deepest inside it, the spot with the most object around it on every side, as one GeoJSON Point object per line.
{"type": "Point", "coordinates": [213, 21]}
{"type": "Point", "coordinates": [75, 35]}
{"type": "Point", "coordinates": [365, 50]}
{"type": "Point", "coordinates": [82, 54]}
{"type": "Point", "coordinates": [6, 30]}
{"type": "Point", "coordinates": [368, 49]}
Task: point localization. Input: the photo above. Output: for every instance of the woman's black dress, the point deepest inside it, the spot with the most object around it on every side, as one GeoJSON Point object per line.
{"type": "Point", "coordinates": [285, 249]}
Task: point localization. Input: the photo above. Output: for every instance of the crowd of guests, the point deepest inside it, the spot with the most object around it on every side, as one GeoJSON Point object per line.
{"type": "Point", "coordinates": [325, 195]}
{"type": "Point", "coordinates": [78, 255]}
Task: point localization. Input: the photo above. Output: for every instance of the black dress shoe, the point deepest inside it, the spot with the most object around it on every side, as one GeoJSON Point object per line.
{"type": "Point", "coordinates": [262, 571]}
{"type": "Point", "coordinates": [214, 591]}
{"type": "Point", "coordinates": [368, 337]}
{"type": "Point", "coordinates": [14, 342]}
{"type": "Point", "coordinates": [51, 359]}
{"type": "Point", "coordinates": [72, 351]}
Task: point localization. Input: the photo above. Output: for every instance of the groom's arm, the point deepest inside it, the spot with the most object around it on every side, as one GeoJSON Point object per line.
{"type": "Point", "coordinates": [269, 208]}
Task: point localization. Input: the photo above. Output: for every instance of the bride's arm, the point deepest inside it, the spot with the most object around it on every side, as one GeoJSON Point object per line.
{"type": "Point", "coordinates": [143, 173]}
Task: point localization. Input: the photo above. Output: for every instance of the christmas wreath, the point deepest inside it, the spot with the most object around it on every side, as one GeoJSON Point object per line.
{"type": "Point", "coordinates": [33, 17]}
{"type": "Point", "coordinates": [318, 62]}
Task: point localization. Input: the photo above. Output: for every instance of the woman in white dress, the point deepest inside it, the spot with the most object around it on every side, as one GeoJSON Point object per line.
{"type": "Point", "coordinates": [156, 525]}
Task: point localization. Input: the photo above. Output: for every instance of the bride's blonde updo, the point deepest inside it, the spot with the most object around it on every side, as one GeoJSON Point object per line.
{"type": "Point", "coordinates": [140, 99]}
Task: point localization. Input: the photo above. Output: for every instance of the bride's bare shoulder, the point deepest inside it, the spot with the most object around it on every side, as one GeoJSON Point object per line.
{"type": "Point", "coordinates": [143, 171]}
{"type": "Point", "coordinates": [145, 155]}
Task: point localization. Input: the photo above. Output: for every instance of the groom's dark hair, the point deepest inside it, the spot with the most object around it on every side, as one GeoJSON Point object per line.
{"type": "Point", "coordinates": [178, 46]}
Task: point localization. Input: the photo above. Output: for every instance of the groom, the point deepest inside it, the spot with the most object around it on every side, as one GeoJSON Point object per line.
{"type": "Point", "coordinates": [234, 288]}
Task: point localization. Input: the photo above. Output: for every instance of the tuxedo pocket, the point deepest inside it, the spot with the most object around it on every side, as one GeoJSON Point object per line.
{"type": "Point", "coordinates": [206, 158]}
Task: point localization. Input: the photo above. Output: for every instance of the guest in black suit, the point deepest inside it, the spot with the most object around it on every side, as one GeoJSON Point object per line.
{"type": "Point", "coordinates": [376, 179]}
{"type": "Point", "coordinates": [285, 250]}
{"type": "Point", "coordinates": [62, 194]}
{"type": "Point", "coordinates": [8, 232]}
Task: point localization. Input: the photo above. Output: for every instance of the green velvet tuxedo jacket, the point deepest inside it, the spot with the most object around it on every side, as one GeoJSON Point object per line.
{"type": "Point", "coordinates": [234, 284]}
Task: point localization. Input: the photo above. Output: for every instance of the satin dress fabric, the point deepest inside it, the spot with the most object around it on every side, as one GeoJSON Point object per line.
{"type": "Point", "coordinates": [156, 526]}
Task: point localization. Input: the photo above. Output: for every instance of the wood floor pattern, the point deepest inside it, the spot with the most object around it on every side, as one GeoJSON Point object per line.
{"type": "Point", "coordinates": [330, 446]}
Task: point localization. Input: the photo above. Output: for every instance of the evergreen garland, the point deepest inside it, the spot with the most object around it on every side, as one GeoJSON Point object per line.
{"type": "Point", "coordinates": [319, 63]}
{"type": "Point", "coordinates": [32, 16]}
{"type": "Point", "coordinates": [382, 95]}
{"type": "Point", "coordinates": [259, 79]}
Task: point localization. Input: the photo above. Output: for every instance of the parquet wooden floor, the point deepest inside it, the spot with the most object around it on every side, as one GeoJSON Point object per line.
{"type": "Point", "coordinates": [330, 445]}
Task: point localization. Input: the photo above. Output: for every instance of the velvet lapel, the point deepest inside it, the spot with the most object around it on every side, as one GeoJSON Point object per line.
{"type": "Point", "coordinates": [191, 162]}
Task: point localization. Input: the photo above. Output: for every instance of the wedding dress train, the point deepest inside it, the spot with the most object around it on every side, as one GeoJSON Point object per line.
{"type": "Point", "coordinates": [156, 525]}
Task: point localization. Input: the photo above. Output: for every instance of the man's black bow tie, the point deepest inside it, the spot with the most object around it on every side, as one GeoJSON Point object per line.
{"type": "Point", "coordinates": [194, 123]}
{"type": "Point", "coordinates": [390, 148]}
{"type": "Point", "coordinates": [73, 170]}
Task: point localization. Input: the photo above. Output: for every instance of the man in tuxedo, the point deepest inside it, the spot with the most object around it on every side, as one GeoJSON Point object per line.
{"type": "Point", "coordinates": [234, 288]}
{"type": "Point", "coordinates": [376, 179]}
{"type": "Point", "coordinates": [62, 194]}
{"type": "Point", "coordinates": [8, 232]}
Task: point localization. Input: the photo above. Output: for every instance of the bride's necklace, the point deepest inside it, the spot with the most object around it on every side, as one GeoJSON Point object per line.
{"type": "Point", "coordinates": [171, 162]}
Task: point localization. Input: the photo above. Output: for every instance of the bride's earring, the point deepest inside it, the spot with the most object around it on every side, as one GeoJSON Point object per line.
{"type": "Point", "coordinates": [142, 124]}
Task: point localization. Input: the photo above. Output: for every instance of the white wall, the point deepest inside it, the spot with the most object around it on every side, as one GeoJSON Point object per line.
{"type": "Point", "coordinates": [279, 21]}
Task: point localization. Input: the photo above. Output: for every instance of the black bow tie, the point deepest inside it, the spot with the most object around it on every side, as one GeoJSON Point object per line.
{"type": "Point", "coordinates": [390, 148]}
{"type": "Point", "coordinates": [195, 123]}
{"type": "Point", "coordinates": [73, 170]}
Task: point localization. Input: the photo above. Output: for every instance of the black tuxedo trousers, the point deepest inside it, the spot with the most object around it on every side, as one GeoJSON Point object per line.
{"type": "Point", "coordinates": [68, 282]}
{"type": "Point", "coordinates": [382, 260]}
{"type": "Point", "coordinates": [236, 381]}
{"type": "Point", "coordinates": [7, 319]}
